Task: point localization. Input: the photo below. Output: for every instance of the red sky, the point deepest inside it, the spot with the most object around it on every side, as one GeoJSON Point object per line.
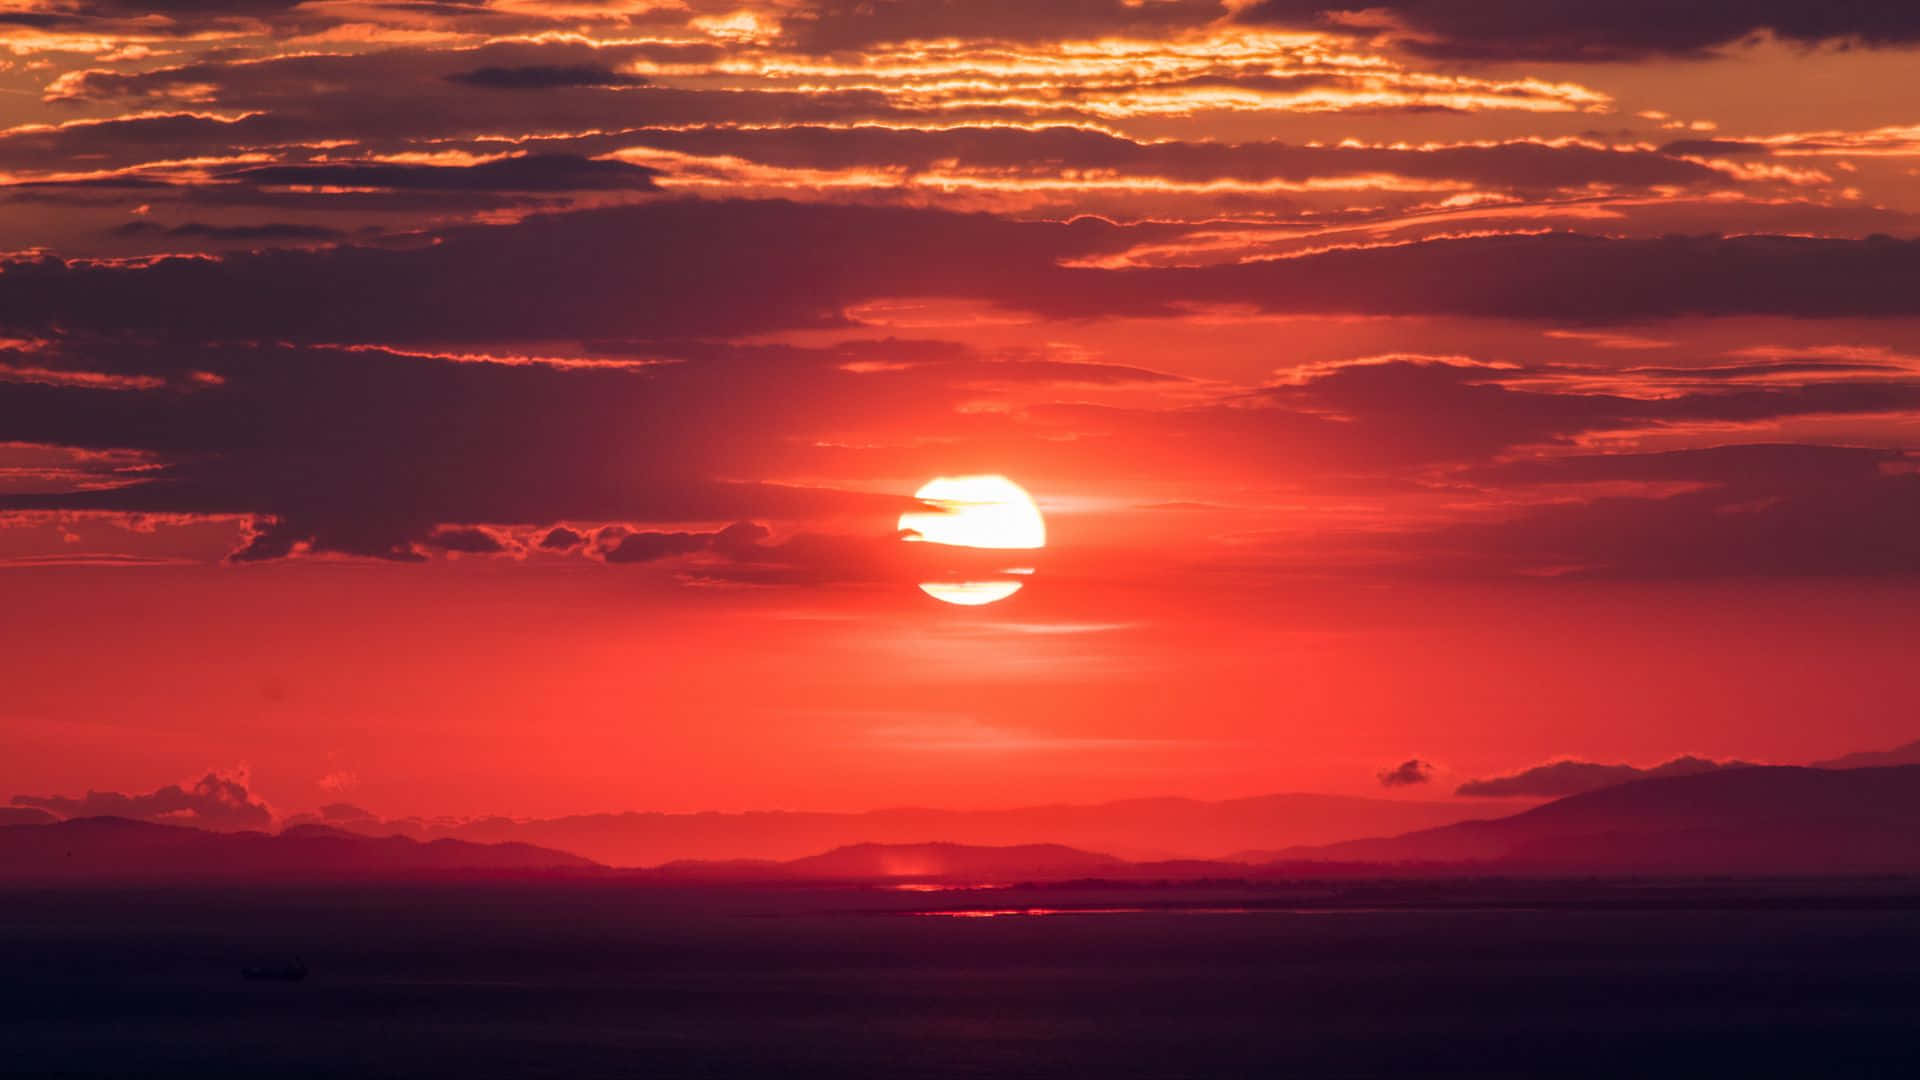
{"type": "Point", "coordinates": [507, 409]}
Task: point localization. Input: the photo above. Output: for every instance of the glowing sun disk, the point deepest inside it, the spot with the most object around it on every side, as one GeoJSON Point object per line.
{"type": "Point", "coordinates": [976, 512]}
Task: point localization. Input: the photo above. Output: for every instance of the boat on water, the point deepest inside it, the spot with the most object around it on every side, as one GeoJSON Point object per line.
{"type": "Point", "coordinates": [293, 972]}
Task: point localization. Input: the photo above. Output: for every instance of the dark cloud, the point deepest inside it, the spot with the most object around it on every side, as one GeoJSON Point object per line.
{"type": "Point", "coordinates": [851, 24]}
{"type": "Point", "coordinates": [215, 801]}
{"type": "Point", "coordinates": [1394, 414]}
{"type": "Point", "coordinates": [1864, 529]}
{"type": "Point", "coordinates": [741, 540]}
{"type": "Point", "coordinates": [230, 19]}
{"type": "Point", "coordinates": [1754, 511]}
{"type": "Point", "coordinates": [1557, 276]}
{"type": "Point", "coordinates": [808, 558]}
{"type": "Point", "coordinates": [1602, 30]}
{"type": "Point", "coordinates": [25, 815]}
{"type": "Point", "coordinates": [747, 553]}
{"type": "Point", "coordinates": [369, 452]}
{"type": "Point", "coordinates": [544, 77]}
{"type": "Point", "coordinates": [688, 267]}
{"type": "Point", "coordinates": [471, 541]}
{"type": "Point", "coordinates": [1714, 147]}
{"type": "Point", "coordinates": [1407, 773]}
{"type": "Point", "coordinates": [156, 17]}
{"type": "Point", "coordinates": [1744, 469]}
{"type": "Point", "coordinates": [561, 538]}
{"type": "Point", "coordinates": [640, 547]}
{"type": "Point", "coordinates": [680, 267]}
{"type": "Point", "coordinates": [278, 231]}
{"type": "Point", "coordinates": [534, 172]}
{"type": "Point", "coordinates": [389, 99]}
{"type": "Point", "coordinates": [174, 8]}
{"type": "Point", "coordinates": [1561, 778]}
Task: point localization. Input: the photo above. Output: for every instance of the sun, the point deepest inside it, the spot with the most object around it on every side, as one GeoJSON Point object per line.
{"type": "Point", "coordinates": [976, 512]}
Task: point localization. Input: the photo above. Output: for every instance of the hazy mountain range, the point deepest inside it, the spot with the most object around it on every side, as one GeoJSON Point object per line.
{"type": "Point", "coordinates": [1140, 829]}
{"type": "Point", "coordinates": [1871, 759]}
{"type": "Point", "coordinates": [1761, 820]}
{"type": "Point", "coordinates": [1767, 819]}
{"type": "Point", "coordinates": [116, 848]}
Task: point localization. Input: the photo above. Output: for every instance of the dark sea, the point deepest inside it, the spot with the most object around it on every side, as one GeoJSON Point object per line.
{"type": "Point", "coordinates": [576, 979]}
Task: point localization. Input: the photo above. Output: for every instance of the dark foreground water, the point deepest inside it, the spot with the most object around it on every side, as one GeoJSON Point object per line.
{"type": "Point", "coordinates": [571, 979]}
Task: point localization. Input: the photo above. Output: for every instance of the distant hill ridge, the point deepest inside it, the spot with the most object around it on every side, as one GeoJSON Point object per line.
{"type": "Point", "coordinates": [106, 847]}
{"type": "Point", "coordinates": [1765, 819]}
{"type": "Point", "coordinates": [1131, 828]}
{"type": "Point", "coordinates": [1760, 820]}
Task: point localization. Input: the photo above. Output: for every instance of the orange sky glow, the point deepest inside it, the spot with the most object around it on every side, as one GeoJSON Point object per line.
{"type": "Point", "coordinates": [515, 408]}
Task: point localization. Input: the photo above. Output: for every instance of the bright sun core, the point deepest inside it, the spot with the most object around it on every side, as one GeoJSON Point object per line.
{"type": "Point", "coordinates": [976, 512]}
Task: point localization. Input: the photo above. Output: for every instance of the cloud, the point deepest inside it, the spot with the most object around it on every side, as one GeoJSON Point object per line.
{"type": "Point", "coordinates": [339, 780]}
{"type": "Point", "coordinates": [640, 547]}
{"type": "Point", "coordinates": [269, 231]}
{"type": "Point", "coordinates": [1759, 526]}
{"type": "Point", "coordinates": [690, 268]}
{"type": "Point", "coordinates": [1561, 778]}
{"type": "Point", "coordinates": [1407, 773]}
{"type": "Point", "coordinates": [544, 77]}
{"type": "Point", "coordinates": [1565, 277]}
{"type": "Point", "coordinates": [826, 25]}
{"type": "Point", "coordinates": [215, 801]}
{"type": "Point", "coordinates": [747, 553]}
{"type": "Point", "coordinates": [1011, 154]}
{"type": "Point", "coordinates": [1591, 30]}
{"type": "Point", "coordinates": [1714, 147]}
{"type": "Point", "coordinates": [684, 267]}
{"type": "Point", "coordinates": [508, 443]}
{"type": "Point", "coordinates": [443, 441]}
{"type": "Point", "coordinates": [1390, 414]}
{"type": "Point", "coordinates": [562, 538]}
{"type": "Point", "coordinates": [534, 172]}
{"type": "Point", "coordinates": [471, 541]}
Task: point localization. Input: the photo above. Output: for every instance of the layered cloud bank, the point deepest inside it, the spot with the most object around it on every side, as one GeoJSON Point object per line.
{"type": "Point", "coordinates": [415, 282]}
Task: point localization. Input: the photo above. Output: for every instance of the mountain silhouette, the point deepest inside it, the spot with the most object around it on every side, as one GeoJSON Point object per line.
{"type": "Point", "coordinates": [1762, 820]}
{"type": "Point", "coordinates": [1157, 828]}
{"type": "Point", "coordinates": [105, 847]}
{"type": "Point", "coordinates": [1909, 754]}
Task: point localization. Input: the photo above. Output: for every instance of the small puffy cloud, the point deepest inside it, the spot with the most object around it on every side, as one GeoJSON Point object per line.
{"type": "Point", "coordinates": [1407, 773]}
{"type": "Point", "coordinates": [339, 780]}
{"type": "Point", "coordinates": [1561, 778]}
